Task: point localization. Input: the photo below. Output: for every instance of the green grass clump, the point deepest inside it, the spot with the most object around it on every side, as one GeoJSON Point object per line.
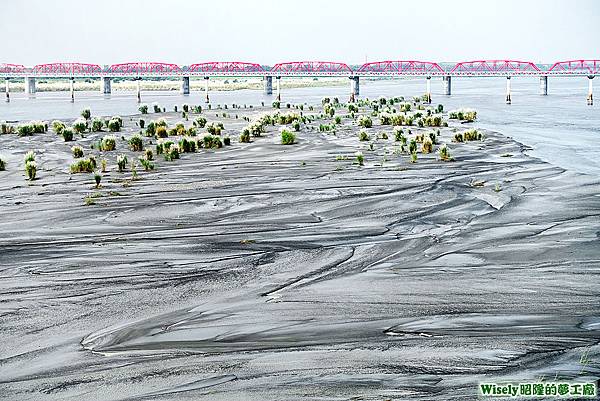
{"type": "Point", "coordinates": [115, 124]}
{"type": "Point", "coordinates": [214, 128]}
{"type": "Point", "coordinates": [25, 130]}
{"type": "Point", "coordinates": [97, 178]}
{"type": "Point", "coordinates": [412, 146]}
{"type": "Point", "coordinates": [108, 143]}
{"type": "Point", "coordinates": [227, 141]}
{"type": "Point", "coordinates": [148, 154]}
{"type": "Point", "coordinates": [276, 104]}
{"type": "Point", "coordinates": [67, 134]}
{"type": "Point", "coordinates": [97, 124]}
{"type": "Point", "coordinates": [58, 126]}
{"type": "Point", "coordinates": [30, 165]}
{"type": "Point", "coordinates": [365, 121]}
{"type": "Point", "coordinates": [287, 137]}
{"type": "Point", "coordinates": [147, 164]}
{"type": "Point", "coordinates": [363, 136]}
{"type": "Point", "coordinates": [427, 145]}
{"type": "Point", "coordinates": [31, 169]}
{"type": "Point", "coordinates": [187, 145]}
{"type": "Point", "coordinates": [161, 132]}
{"type": "Point", "coordinates": [463, 115]}
{"type": "Point", "coordinates": [86, 113]}
{"type": "Point", "coordinates": [143, 109]}
{"type": "Point", "coordinates": [77, 151]}
{"type": "Point", "coordinates": [245, 136]}
{"type": "Point", "coordinates": [360, 158]}
{"type": "Point", "coordinates": [6, 128]}
{"type": "Point", "coordinates": [468, 135]}
{"type": "Point", "coordinates": [136, 143]}
{"type": "Point", "coordinates": [212, 142]}
{"type": "Point", "coordinates": [79, 126]}
{"type": "Point", "coordinates": [121, 162]}
{"type": "Point", "coordinates": [171, 151]}
{"type": "Point", "coordinates": [445, 153]}
{"type": "Point", "coordinates": [83, 166]}
{"type": "Point", "coordinates": [29, 156]}
{"type": "Point", "coordinates": [200, 122]}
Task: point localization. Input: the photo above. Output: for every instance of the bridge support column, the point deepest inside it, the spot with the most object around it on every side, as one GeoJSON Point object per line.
{"type": "Point", "coordinates": [428, 91]}
{"type": "Point", "coordinates": [72, 89]}
{"type": "Point", "coordinates": [590, 96]}
{"type": "Point", "coordinates": [354, 88]}
{"type": "Point", "coordinates": [105, 85]}
{"type": "Point", "coordinates": [185, 85]}
{"type": "Point", "coordinates": [508, 99]}
{"type": "Point", "coordinates": [206, 89]}
{"type": "Point", "coordinates": [447, 85]}
{"type": "Point", "coordinates": [7, 89]}
{"type": "Point", "coordinates": [544, 85]}
{"type": "Point", "coordinates": [278, 82]}
{"type": "Point", "coordinates": [30, 85]}
{"type": "Point", "coordinates": [138, 82]}
{"type": "Point", "coordinates": [268, 85]}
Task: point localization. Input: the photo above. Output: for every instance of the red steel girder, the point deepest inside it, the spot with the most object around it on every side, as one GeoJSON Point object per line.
{"type": "Point", "coordinates": [12, 68]}
{"type": "Point", "coordinates": [401, 67]}
{"type": "Point", "coordinates": [588, 67]}
{"type": "Point", "coordinates": [144, 68]}
{"type": "Point", "coordinates": [495, 67]}
{"type": "Point", "coordinates": [311, 68]}
{"type": "Point", "coordinates": [62, 69]}
{"type": "Point", "coordinates": [227, 67]}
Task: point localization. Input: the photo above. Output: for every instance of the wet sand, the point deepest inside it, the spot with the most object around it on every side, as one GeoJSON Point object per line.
{"type": "Point", "coordinates": [262, 271]}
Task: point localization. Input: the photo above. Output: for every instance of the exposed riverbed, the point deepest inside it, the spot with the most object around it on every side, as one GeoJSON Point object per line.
{"type": "Point", "coordinates": [262, 271]}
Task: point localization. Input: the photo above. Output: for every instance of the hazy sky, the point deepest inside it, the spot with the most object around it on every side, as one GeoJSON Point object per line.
{"type": "Point", "coordinates": [265, 31]}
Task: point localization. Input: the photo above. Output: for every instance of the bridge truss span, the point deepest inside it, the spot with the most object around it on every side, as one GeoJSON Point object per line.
{"type": "Point", "coordinates": [575, 67]}
{"type": "Point", "coordinates": [144, 69]}
{"type": "Point", "coordinates": [311, 69]}
{"type": "Point", "coordinates": [225, 69]}
{"type": "Point", "coordinates": [494, 68]}
{"type": "Point", "coordinates": [66, 70]}
{"type": "Point", "coordinates": [400, 68]}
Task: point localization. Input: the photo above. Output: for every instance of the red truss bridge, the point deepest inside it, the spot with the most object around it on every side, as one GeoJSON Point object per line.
{"type": "Point", "coordinates": [389, 68]}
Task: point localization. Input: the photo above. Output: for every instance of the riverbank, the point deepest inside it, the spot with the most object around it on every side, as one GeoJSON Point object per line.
{"type": "Point", "coordinates": [264, 271]}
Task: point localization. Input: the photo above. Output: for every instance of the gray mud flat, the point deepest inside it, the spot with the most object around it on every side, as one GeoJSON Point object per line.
{"type": "Point", "coordinates": [270, 272]}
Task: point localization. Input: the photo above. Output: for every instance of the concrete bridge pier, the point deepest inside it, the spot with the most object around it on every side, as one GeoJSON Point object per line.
{"type": "Point", "coordinates": [544, 85]}
{"type": "Point", "coordinates": [590, 96]}
{"type": "Point", "coordinates": [278, 82]}
{"type": "Point", "coordinates": [447, 85]}
{"type": "Point", "coordinates": [268, 85]}
{"type": "Point", "coordinates": [105, 85]}
{"type": "Point", "coordinates": [354, 88]}
{"type": "Point", "coordinates": [139, 89]}
{"type": "Point", "coordinates": [428, 91]}
{"type": "Point", "coordinates": [7, 89]}
{"type": "Point", "coordinates": [72, 89]}
{"type": "Point", "coordinates": [185, 85]}
{"type": "Point", "coordinates": [30, 85]}
{"type": "Point", "coordinates": [206, 89]}
{"type": "Point", "coordinates": [508, 99]}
